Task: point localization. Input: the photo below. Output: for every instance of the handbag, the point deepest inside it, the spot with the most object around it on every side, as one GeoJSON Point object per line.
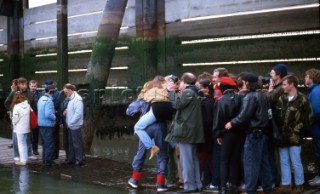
{"type": "Point", "coordinates": [33, 120]}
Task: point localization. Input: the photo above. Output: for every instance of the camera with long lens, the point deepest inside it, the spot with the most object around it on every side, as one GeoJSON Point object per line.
{"type": "Point", "coordinates": [174, 79]}
{"type": "Point", "coordinates": [264, 79]}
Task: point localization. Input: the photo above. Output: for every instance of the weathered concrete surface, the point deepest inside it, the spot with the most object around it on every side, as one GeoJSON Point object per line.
{"type": "Point", "coordinates": [104, 172]}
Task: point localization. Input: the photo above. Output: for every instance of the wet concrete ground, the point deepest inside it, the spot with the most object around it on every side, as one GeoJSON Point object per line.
{"type": "Point", "coordinates": [103, 172]}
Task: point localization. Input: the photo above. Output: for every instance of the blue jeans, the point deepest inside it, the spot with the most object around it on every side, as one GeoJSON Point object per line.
{"type": "Point", "coordinates": [256, 164]}
{"type": "Point", "coordinates": [157, 131]}
{"type": "Point", "coordinates": [15, 145]}
{"type": "Point", "coordinates": [47, 144]}
{"type": "Point", "coordinates": [140, 128]}
{"type": "Point", "coordinates": [316, 144]}
{"type": "Point", "coordinates": [292, 153]}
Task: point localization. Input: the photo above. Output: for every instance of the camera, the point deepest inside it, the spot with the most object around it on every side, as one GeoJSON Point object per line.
{"type": "Point", "coordinates": [174, 79]}
{"type": "Point", "coordinates": [264, 79]}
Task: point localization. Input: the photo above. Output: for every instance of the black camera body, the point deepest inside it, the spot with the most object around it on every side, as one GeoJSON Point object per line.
{"type": "Point", "coordinates": [264, 79]}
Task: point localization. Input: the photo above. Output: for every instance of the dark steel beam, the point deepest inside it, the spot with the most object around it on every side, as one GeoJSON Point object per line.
{"type": "Point", "coordinates": [62, 42]}
{"type": "Point", "coordinates": [100, 62]}
{"type": "Point", "coordinates": [15, 43]}
{"type": "Point", "coordinates": [105, 43]}
{"type": "Point", "coordinates": [150, 31]}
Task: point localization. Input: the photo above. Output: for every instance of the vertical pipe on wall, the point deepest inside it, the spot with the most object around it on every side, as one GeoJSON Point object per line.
{"type": "Point", "coordinates": [62, 42]}
{"type": "Point", "coordinates": [150, 30]}
{"type": "Point", "coordinates": [150, 36]}
{"type": "Point", "coordinates": [15, 42]}
{"type": "Point", "coordinates": [161, 30]}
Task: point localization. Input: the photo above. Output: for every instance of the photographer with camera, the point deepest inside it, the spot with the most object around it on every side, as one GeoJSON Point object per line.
{"type": "Point", "coordinates": [275, 90]}
{"type": "Point", "coordinates": [277, 73]}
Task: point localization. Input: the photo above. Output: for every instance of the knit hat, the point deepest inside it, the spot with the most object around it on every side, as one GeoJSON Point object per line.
{"type": "Point", "coordinates": [227, 81]}
{"type": "Point", "coordinates": [49, 82]}
{"type": "Point", "coordinates": [250, 77]}
{"type": "Point", "coordinates": [281, 69]}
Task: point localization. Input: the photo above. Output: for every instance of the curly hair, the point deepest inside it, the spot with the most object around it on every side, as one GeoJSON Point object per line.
{"type": "Point", "coordinates": [314, 74]}
{"type": "Point", "coordinates": [157, 81]}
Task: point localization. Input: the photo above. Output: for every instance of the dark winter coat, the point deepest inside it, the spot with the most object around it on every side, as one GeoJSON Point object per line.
{"type": "Point", "coordinates": [254, 112]}
{"type": "Point", "coordinates": [187, 126]}
{"type": "Point", "coordinates": [207, 108]}
{"type": "Point", "coordinates": [226, 108]}
{"type": "Point", "coordinates": [294, 117]}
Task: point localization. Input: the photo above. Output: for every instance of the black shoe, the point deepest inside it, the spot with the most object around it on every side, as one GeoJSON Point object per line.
{"type": "Point", "coordinates": [10, 146]}
{"type": "Point", "coordinates": [50, 163]}
{"type": "Point", "coordinates": [233, 188]}
{"type": "Point", "coordinates": [188, 191]}
{"type": "Point", "coordinates": [35, 152]}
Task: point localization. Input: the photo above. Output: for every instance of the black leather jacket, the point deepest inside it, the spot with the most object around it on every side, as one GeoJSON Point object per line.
{"type": "Point", "coordinates": [226, 108]}
{"type": "Point", "coordinates": [254, 111]}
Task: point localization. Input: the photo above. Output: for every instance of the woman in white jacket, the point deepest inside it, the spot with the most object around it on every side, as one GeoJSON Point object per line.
{"type": "Point", "coordinates": [21, 125]}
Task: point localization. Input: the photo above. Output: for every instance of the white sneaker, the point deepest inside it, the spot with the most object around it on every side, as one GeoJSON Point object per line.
{"type": "Point", "coordinates": [242, 187]}
{"type": "Point", "coordinates": [259, 189]}
{"type": "Point", "coordinates": [33, 157]}
{"type": "Point", "coordinates": [20, 163]}
{"type": "Point", "coordinates": [16, 159]}
{"type": "Point", "coordinates": [315, 181]}
{"type": "Point", "coordinates": [213, 188]}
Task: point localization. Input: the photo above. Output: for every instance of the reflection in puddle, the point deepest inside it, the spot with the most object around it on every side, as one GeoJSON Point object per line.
{"type": "Point", "coordinates": [20, 180]}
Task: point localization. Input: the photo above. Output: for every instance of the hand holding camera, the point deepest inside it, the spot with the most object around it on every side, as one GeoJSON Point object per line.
{"type": "Point", "coordinates": [171, 86]}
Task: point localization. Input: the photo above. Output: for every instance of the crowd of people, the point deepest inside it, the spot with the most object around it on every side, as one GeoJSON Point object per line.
{"type": "Point", "coordinates": [222, 132]}
{"type": "Point", "coordinates": [53, 114]}
{"type": "Point", "coordinates": [228, 133]}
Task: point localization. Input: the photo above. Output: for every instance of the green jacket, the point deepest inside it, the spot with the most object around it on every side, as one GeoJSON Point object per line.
{"type": "Point", "coordinates": [294, 118]}
{"type": "Point", "coordinates": [187, 126]}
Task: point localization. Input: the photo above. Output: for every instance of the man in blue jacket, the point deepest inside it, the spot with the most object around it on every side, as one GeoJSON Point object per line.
{"type": "Point", "coordinates": [47, 122]}
{"type": "Point", "coordinates": [74, 121]}
{"type": "Point", "coordinates": [56, 98]}
{"type": "Point", "coordinates": [312, 80]}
